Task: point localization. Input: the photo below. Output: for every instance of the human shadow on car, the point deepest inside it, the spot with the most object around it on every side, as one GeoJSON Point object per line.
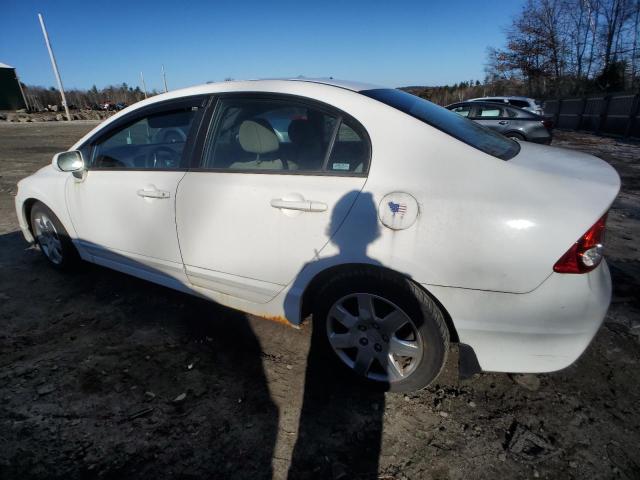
{"type": "Point", "coordinates": [340, 424]}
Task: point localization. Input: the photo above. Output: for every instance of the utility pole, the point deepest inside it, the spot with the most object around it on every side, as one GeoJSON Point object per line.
{"type": "Point", "coordinates": [144, 86]}
{"type": "Point", "coordinates": [164, 79]}
{"type": "Point", "coordinates": [55, 66]}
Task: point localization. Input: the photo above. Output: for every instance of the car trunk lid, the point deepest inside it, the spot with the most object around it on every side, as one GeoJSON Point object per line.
{"type": "Point", "coordinates": [572, 191]}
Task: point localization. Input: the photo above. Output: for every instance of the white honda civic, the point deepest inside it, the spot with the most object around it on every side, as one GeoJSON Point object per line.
{"type": "Point", "coordinates": [398, 226]}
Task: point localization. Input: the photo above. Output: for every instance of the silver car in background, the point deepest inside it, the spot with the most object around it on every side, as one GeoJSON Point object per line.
{"type": "Point", "coordinates": [515, 123]}
{"type": "Point", "coordinates": [526, 103]}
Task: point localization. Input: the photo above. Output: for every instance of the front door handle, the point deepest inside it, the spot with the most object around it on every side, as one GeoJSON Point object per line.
{"type": "Point", "coordinates": [300, 205]}
{"type": "Point", "coordinates": [504, 122]}
{"type": "Point", "coordinates": [153, 193]}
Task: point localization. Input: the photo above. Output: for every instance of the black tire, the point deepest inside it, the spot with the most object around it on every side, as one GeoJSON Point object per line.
{"type": "Point", "coordinates": [427, 324]}
{"type": "Point", "coordinates": [68, 258]}
{"type": "Point", "coordinates": [516, 136]}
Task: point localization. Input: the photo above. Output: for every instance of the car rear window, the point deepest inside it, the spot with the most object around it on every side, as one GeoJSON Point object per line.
{"type": "Point", "coordinates": [449, 122]}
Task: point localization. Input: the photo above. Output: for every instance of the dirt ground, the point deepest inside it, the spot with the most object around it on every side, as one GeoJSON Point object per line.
{"type": "Point", "coordinates": [106, 376]}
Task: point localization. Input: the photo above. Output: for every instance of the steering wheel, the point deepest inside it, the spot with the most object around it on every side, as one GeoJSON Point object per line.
{"type": "Point", "coordinates": [162, 157]}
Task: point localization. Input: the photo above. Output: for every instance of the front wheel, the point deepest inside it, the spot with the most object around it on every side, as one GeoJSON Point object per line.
{"type": "Point", "coordinates": [52, 238]}
{"type": "Point", "coordinates": [383, 328]}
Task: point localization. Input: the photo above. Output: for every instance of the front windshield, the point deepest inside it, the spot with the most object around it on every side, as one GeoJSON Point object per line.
{"type": "Point", "coordinates": [450, 123]}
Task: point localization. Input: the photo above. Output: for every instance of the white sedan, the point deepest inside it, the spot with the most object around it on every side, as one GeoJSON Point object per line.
{"type": "Point", "coordinates": [398, 226]}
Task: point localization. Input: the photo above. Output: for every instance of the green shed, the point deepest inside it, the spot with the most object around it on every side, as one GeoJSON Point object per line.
{"type": "Point", "coordinates": [11, 95]}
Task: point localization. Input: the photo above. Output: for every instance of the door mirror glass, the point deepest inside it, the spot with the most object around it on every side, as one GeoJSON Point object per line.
{"type": "Point", "coordinates": [71, 161]}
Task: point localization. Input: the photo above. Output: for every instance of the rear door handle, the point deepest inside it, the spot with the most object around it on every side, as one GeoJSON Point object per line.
{"type": "Point", "coordinates": [153, 193]}
{"type": "Point", "coordinates": [503, 122]}
{"type": "Point", "coordinates": [300, 205]}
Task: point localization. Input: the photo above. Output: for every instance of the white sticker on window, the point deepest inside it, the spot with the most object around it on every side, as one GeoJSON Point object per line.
{"type": "Point", "coordinates": [341, 166]}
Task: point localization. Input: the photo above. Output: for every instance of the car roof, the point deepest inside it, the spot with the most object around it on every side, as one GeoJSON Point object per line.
{"type": "Point", "coordinates": [258, 85]}
{"type": "Point", "coordinates": [522, 111]}
{"type": "Point", "coordinates": [311, 87]}
{"type": "Point", "coordinates": [348, 84]}
{"type": "Point", "coordinates": [508, 97]}
{"type": "Point", "coordinates": [482, 102]}
{"type": "Point", "coordinates": [276, 83]}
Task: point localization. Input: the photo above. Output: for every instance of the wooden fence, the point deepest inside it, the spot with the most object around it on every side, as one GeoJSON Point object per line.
{"type": "Point", "coordinates": [617, 114]}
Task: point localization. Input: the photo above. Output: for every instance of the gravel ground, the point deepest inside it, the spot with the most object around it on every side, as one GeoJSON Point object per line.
{"type": "Point", "coordinates": [106, 376]}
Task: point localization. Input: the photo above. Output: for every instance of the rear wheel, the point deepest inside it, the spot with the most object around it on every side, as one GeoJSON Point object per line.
{"type": "Point", "coordinates": [382, 328]}
{"type": "Point", "coordinates": [516, 136]}
{"type": "Point", "coordinates": [52, 238]}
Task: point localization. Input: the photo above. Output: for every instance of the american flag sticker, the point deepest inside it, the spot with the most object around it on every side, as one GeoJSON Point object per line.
{"type": "Point", "coordinates": [400, 208]}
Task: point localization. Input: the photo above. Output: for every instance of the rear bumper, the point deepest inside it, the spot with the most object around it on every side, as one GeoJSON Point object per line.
{"type": "Point", "coordinates": [540, 331]}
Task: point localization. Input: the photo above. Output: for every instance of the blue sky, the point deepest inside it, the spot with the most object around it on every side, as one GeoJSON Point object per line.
{"type": "Point", "coordinates": [390, 43]}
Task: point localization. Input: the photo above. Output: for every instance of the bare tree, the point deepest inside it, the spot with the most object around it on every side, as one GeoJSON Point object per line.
{"type": "Point", "coordinates": [557, 47]}
{"type": "Point", "coordinates": [635, 54]}
{"type": "Point", "coordinates": [614, 13]}
{"type": "Point", "coordinates": [581, 32]}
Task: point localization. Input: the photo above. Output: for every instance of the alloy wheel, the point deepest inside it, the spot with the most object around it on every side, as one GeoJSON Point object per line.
{"type": "Point", "coordinates": [374, 337]}
{"type": "Point", "coordinates": [48, 238]}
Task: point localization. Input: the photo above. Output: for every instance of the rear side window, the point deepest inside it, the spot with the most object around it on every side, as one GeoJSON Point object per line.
{"type": "Point", "coordinates": [489, 111]}
{"type": "Point", "coordinates": [350, 151]}
{"type": "Point", "coordinates": [510, 112]}
{"type": "Point", "coordinates": [463, 129]}
{"type": "Point", "coordinates": [264, 135]}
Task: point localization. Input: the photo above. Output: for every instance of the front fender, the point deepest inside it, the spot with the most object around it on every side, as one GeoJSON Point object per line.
{"type": "Point", "coordinates": [48, 186]}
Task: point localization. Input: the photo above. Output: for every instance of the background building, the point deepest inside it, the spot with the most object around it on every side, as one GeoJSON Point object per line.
{"type": "Point", "coordinates": [11, 95]}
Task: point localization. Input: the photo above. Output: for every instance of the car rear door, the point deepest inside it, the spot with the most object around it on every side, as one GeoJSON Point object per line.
{"type": "Point", "coordinates": [276, 178]}
{"type": "Point", "coordinates": [123, 210]}
{"type": "Point", "coordinates": [493, 116]}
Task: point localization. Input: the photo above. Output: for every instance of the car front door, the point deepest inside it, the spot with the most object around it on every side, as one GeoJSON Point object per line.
{"type": "Point", "coordinates": [277, 177]}
{"type": "Point", "coordinates": [123, 210]}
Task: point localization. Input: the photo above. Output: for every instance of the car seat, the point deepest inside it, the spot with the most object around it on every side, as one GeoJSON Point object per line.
{"type": "Point", "coordinates": [257, 137]}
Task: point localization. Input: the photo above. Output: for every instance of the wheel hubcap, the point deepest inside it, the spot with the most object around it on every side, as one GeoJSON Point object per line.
{"type": "Point", "coordinates": [374, 337]}
{"type": "Point", "coordinates": [48, 238]}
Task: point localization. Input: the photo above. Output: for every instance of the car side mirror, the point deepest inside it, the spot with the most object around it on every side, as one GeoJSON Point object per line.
{"type": "Point", "coordinates": [70, 161]}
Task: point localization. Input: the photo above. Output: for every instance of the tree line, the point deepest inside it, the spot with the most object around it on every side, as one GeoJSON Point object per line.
{"type": "Point", "coordinates": [570, 47]}
{"type": "Point", "coordinates": [557, 48]}
{"type": "Point", "coordinates": [39, 98]}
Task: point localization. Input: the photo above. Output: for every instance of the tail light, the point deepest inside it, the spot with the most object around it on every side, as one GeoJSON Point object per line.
{"type": "Point", "coordinates": [586, 254]}
{"type": "Point", "coordinates": [548, 124]}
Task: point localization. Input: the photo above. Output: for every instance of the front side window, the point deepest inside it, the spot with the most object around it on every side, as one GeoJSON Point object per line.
{"type": "Point", "coordinates": [155, 141]}
{"type": "Point", "coordinates": [463, 129]}
{"type": "Point", "coordinates": [281, 135]}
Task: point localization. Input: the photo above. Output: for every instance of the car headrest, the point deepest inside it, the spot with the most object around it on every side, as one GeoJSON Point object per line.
{"type": "Point", "coordinates": [302, 132]}
{"type": "Point", "coordinates": [255, 137]}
